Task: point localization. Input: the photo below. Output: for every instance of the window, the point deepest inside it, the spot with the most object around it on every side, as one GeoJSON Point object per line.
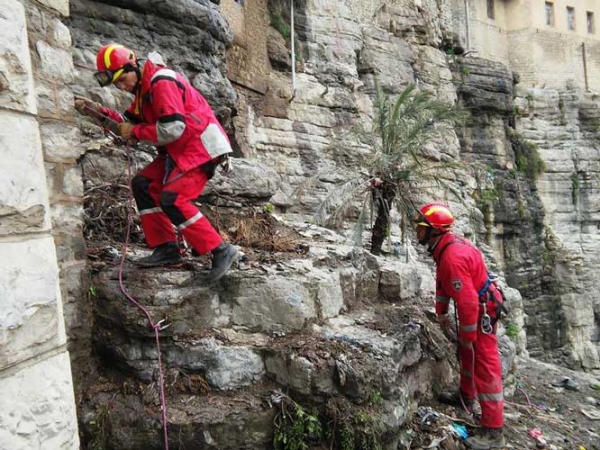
{"type": "Point", "coordinates": [570, 18]}
{"type": "Point", "coordinates": [490, 9]}
{"type": "Point", "coordinates": [550, 14]}
{"type": "Point", "coordinates": [591, 26]}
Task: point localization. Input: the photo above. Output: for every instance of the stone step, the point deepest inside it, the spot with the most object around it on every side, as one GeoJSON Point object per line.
{"type": "Point", "coordinates": [272, 299]}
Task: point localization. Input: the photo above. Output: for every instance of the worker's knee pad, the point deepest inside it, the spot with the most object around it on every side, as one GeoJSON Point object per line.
{"type": "Point", "coordinates": [140, 187]}
{"type": "Point", "coordinates": [167, 203]}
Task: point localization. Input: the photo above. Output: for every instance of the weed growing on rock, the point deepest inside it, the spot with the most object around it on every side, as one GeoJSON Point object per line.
{"type": "Point", "coordinates": [295, 429]}
{"type": "Point", "coordinates": [512, 329]}
{"type": "Point", "coordinates": [100, 429]}
{"type": "Point", "coordinates": [352, 428]}
{"type": "Point", "coordinates": [527, 155]}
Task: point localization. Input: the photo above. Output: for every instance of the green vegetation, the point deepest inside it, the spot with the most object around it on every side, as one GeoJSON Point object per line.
{"type": "Point", "coordinates": [512, 329]}
{"type": "Point", "coordinates": [527, 156]}
{"type": "Point", "coordinates": [269, 208]}
{"type": "Point", "coordinates": [352, 428]}
{"type": "Point", "coordinates": [377, 398]}
{"type": "Point", "coordinates": [279, 20]}
{"type": "Point", "coordinates": [100, 429]}
{"type": "Point", "coordinates": [295, 428]}
{"type": "Point", "coordinates": [280, 25]}
{"type": "Point", "coordinates": [92, 291]}
{"type": "Point", "coordinates": [403, 124]}
{"type": "Point", "coordinates": [464, 71]}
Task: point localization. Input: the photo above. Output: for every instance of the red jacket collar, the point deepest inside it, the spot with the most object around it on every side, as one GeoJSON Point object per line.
{"type": "Point", "coordinates": [147, 73]}
{"type": "Point", "coordinates": [442, 242]}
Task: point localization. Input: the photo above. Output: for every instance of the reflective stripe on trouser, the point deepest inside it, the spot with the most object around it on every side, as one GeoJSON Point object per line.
{"type": "Point", "coordinates": [175, 200]}
{"type": "Point", "coordinates": [487, 382]}
{"type": "Point", "coordinates": [147, 187]}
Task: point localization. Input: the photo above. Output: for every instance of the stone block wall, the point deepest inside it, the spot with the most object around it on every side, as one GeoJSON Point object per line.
{"type": "Point", "coordinates": [247, 61]}
{"type": "Point", "coordinates": [554, 60]}
{"type": "Point", "coordinates": [37, 226]}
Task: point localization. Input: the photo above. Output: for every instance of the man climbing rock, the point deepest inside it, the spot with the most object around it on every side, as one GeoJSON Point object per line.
{"type": "Point", "coordinates": [169, 113]}
{"type": "Point", "coordinates": [461, 275]}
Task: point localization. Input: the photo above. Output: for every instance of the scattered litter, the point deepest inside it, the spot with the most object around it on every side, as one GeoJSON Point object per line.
{"type": "Point", "coordinates": [512, 416]}
{"type": "Point", "coordinates": [566, 383]}
{"type": "Point", "coordinates": [581, 447]}
{"type": "Point", "coordinates": [592, 414]}
{"type": "Point", "coordinates": [595, 386]}
{"type": "Point", "coordinates": [460, 430]}
{"type": "Point", "coordinates": [343, 338]}
{"type": "Point", "coordinates": [436, 442]}
{"type": "Point", "coordinates": [427, 416]}
{"type": "Point", "coordinates": [537, 434]}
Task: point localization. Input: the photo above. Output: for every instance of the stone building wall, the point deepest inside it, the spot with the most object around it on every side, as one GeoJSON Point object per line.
{"type": "Point", "coordinates": [40, 226]}
{"type": "Point", "coordinates": [247, 62]}
{"type": "Point", "coordinates": [519, 36]}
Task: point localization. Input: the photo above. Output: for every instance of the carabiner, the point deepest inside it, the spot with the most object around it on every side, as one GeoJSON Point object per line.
{"type": "Point", "coordinates": [486, 324]}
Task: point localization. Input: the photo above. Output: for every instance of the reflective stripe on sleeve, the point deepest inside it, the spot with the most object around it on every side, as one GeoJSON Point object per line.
{"type": "Point", "coordinates": [468, 327]}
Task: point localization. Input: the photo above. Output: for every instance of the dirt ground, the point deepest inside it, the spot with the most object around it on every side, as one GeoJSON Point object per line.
{"type": "Point", "coordinates": [568, 419]}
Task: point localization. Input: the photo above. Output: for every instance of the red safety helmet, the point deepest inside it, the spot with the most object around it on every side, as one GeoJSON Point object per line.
{"type": "Point", "coordinates": [435, 215]}
{"type": "Point", "coordinates": [112, 60]}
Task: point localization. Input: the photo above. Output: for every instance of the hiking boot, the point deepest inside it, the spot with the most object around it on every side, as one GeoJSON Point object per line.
{"type": "Point", "coordinates": [222, 258]}
{"type": "Point", "coordinates": [486, 439]}
{"type": "Point", "coordinates": [454, 399]}
{"type": "Point", "coordinates": [164, 255]}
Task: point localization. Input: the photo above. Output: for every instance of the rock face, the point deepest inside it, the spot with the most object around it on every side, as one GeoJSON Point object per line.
{"type": "Point", "coordinates": [540, 224]}
{"type": "Point", "coordinates": [340, 324]}
{"type": "Point", "coordinates": [320, 332]}
{"type": "Point", "coordinates": [190, 35]}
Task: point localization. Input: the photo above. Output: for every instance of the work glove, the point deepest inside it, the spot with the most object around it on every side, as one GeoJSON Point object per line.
{"type": "Point", "coordinates": [87, 107]}
{"type": "Point", "coordinates": [446, 326]}
{"type": "Point", "coordinates": [125, 131]}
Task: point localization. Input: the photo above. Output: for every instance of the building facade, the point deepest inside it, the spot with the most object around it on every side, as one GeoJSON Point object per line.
{"type": "Point", "coordinates": [553, 43]}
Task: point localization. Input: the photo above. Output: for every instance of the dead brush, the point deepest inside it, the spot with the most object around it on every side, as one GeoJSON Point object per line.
{"type": "Point", "coordinates": [261, 231]}
{"type": "Point", "coordinates": [106, 214]}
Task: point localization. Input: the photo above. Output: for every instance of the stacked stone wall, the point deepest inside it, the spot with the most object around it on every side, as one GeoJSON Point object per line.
{"type": "Point", "coordinates": [247, 62]}
{"type": "Point", "coordinates": [554, 60]}
{"type": "Point", "coordinates": [40, 224]}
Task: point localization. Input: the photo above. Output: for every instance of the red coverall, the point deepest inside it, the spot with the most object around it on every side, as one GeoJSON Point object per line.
{"type": "Point", "coordinates": [461, 273]}
{"type": "Point", "coordinates": [170, 114]}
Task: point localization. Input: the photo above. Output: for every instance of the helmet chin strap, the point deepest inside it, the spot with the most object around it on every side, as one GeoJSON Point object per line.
{"type": "Point", "coordinates": [138, 72]}
{"type": "Point", "coordinates": [427, 236]}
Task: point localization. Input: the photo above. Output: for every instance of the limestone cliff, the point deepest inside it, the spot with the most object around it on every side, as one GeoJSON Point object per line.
{"type": "Point", "coordinates": [338, 323]}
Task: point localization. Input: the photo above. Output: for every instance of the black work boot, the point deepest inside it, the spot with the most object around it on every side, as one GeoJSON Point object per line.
{"type": "Point", "coordinates": [454, 399]}
{"type": "Point", "coordinates": [222, 258]}
{"type": "Point", "coordinates": [486, 439]}
{"type": "Point", "coordinates": [164, 255]}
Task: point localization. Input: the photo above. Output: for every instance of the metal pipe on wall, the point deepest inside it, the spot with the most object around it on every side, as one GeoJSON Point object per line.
{"type": "Point", "coordinates": [585, 73]}
{"type": "Point", "coordinates": [293, 37]}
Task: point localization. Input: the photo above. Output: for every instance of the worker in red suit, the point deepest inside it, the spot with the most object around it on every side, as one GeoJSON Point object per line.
{"type": "Point", "coordinates": [462, 275]}
{"type": "Point", "coordinates": [169, 113]}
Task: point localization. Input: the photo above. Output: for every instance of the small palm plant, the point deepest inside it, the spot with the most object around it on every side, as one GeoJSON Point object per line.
{"type": "Point", "coordinates": [401, 128]}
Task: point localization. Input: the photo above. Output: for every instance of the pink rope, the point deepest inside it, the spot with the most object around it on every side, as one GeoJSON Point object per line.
{"type": "Point", "coordinates": [155, 326]}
